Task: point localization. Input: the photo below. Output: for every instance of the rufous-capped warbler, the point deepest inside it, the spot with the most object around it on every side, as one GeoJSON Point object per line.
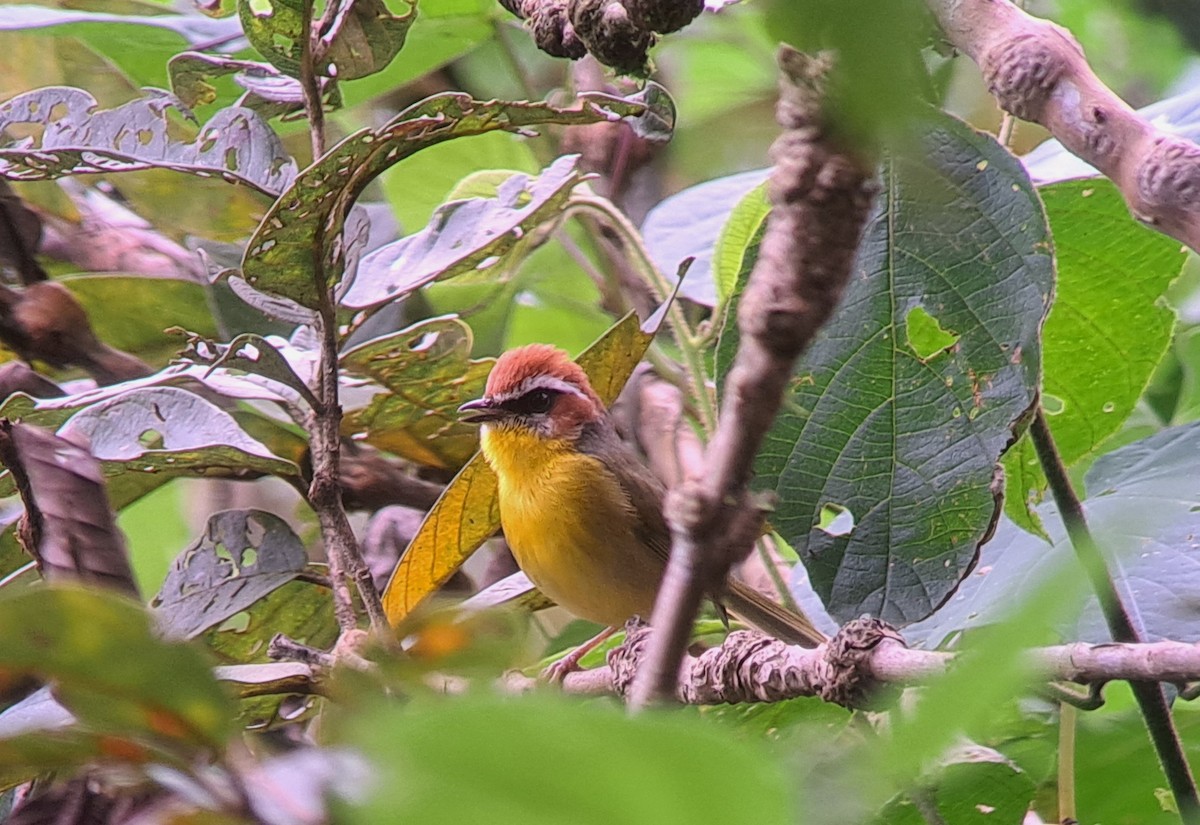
{"type": "Point", "coordinates": [582, 515]}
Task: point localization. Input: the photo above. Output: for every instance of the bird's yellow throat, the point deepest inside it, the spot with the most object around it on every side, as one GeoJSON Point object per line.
{"type": "Point", "coordinates": [519, 456]}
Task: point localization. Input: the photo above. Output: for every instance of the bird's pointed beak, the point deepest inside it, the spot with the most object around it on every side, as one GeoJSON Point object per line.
{"type": "Point", "coordinates": [478, 411]}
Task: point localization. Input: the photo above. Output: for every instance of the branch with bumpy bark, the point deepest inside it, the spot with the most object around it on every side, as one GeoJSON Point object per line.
{"type": "Point", "coordinates": [821, 191]}
{"type": "Point", "coordinates": [865, 661]}
{"type": "Point", "coordinates": [1038, 72]}
{"type": "Point", "coordinates": [618, 33]}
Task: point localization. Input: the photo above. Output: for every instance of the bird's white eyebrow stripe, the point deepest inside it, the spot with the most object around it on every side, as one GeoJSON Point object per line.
{"type": "Point", "coordinates": [540, 382]}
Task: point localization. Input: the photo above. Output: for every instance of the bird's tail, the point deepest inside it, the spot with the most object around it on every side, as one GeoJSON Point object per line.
{"type": "Point", "coordinates": [754, 608]}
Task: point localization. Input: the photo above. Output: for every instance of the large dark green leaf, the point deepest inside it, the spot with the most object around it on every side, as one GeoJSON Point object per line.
{"type": "Point", "coordinates": [109, 668]}
{"type": "Point", "coordinates": [242, 556]}
{"type": "Point", "coordinates": [235, 144]}
{"type": "Point", "coordinates": [903, 404]}
{"type": "Point", "coordinates": [279, 258]}
{"type": "Point", "coordinates": [466, 236]}
{"type": "Point", "coordinates": [1106, 333]}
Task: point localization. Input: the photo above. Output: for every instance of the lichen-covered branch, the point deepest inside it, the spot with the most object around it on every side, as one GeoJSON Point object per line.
{"type": "Point", "coordinates": [821, 192]}
{"type": "Point", "coordinates": [1038, 72]}
{"type": "Point", "coordinates": [864, 660]}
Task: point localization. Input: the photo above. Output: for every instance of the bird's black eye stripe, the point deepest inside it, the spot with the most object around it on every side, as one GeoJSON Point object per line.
{"type": "Point", "coordinates": [534, 402]}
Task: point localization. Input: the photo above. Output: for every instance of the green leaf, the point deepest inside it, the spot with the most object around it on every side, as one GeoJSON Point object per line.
{"type": "Point", "coordinates": [464, 237]}
{"type": "Point", "coordinates": [973, 785]}
{"type": "Point", "coordinates": [137, 44]}
{"type": "Point", "coordinates": [743, 229]}
{"type": "Point", "coordinates": [132, 313]}
{"type": "Point", "coordinates": [1117, 776]}
{"type": "Point", "coordinates": [691, 223]}
{"type": "Point", "coordinates": [242, 556]}
{"type": "Point", "coordinates": [444, 30]}
{"type": "Point", "coordinates": [279, 258]}
{"type": "Point", "coordinates": [428, 374]}
{"type": "Point", "coordinates": [110, 669]}
{"type": "Point", "coordinates": [191, 71]}
{"type": "Point", "coordinates": [1108, 330]}
{"type": "Point", "coordinates": [687, 772]}
{"type": "Point", "coordinates": [907, 443]}
{"type": "Point", "coordinates": [235, 144]}
{"type": "Point", "coordinates": [249, 353]}
{"type": "Point", "coordinates": [365, 42]}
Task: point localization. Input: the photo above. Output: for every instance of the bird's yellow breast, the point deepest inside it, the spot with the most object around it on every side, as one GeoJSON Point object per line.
{"type": "Point", "coordinates": [571, 526]}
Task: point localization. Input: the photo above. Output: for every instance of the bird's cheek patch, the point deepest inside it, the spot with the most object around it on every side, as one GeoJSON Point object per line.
{"type": "Point", "coordinates": [569, 413]}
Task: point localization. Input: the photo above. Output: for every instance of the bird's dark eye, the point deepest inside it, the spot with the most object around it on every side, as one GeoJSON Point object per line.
{"type": "Point", "coordinates": [539, 401]}
{"type": "Point", "coordinates": [534, 402]}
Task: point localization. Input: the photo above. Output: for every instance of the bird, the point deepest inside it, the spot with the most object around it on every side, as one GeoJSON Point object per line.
{"type": "Point", "coordinates": [581, 513]}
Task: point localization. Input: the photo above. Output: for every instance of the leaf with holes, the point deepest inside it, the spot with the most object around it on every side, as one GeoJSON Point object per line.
{"type": "Point", "coordinates": [251, 354]}
{"type": "Point", "coordinates": [279, 258]}
{"type": "Point", "coordinates": [242, 556]}
{"type": "Point", "coordinates": [235, 144]}
{"type": "Point", "coordinates": [428, 374]}
{"type": "Point", "coordinates": [476, 235]}
{"type": "Point", "coordinates": [363, 40]}
{"type": "Point", "coordinates": [191, 71]}
{"type": "Point", "coordinates": [110, 669]}
{"type": "Point", "coordinates": [468, 512]}
{"type": "Point", "coordinates": [890, 419]}
{"type": "Point", "coordinates": [133, 470]}
{"type": "Point", "coordinates": [1107, 332]}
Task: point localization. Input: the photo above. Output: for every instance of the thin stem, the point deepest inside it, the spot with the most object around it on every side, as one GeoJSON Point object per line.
{"type": "Point", "coordinates": [1067, 718]}
{"type": "Point", "coordinates": [685, 338]}
{"type": "Point", "coordinates": [325, 493]}
{"type": "Point", "coordinates": [1149, 695]}
{"type": "Point", "coordinates": [311, 84]}
{"type": "Point", "coordinates": [766, 554]}
{"type": "Point", "coordinates": [1007, 124]}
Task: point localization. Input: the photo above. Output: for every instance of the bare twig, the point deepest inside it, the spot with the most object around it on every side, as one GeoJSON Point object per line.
{"type": "Point", "coordinates": [1151, 699]}
{"type": "Point", "coordinates": [1038, 72]}
{"type": "Point", "coordinates": [283, 648]}
{"type": "Point", "coordinates": [752, 667]}
{"type": "Point", "coordinates": [371, 481]}
{"type": "Point", "coordinates": [821, 196]}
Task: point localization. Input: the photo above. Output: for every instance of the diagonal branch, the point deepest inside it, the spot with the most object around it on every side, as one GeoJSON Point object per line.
{"type": "Point", "coordinates": [1038, 72]}
{"type": "Point", "coordinates": [821, 194]}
